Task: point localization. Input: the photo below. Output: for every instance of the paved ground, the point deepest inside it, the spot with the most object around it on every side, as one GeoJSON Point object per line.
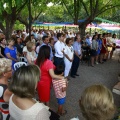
{"type": "Point", "coordinates": [100, 74]}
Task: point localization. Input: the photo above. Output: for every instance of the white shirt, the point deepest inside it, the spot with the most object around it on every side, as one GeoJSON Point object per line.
{"type": "Point", "coordinates": [26, 34]}
{"type": "Point", "coordinates": [59, 46]}
{"type": "Point", "coordinates": [71, 35]}
{"type": "Point", "coordinates": [109, 40]}
{"type": "Point", "coordinates": [31, 55]}
{"type": "Point", "coordinates": [69, 51]}
{"type": "Point", "coordinates": [37, 49]}
{"type": "Point", "coordinates": [33, 40]}
{"type": "Point", "coordinates": [113, 40]}
{"type": "Point", "coordinates": [39, 36]}
{"type": "Point", "coordinates": [37, 112]}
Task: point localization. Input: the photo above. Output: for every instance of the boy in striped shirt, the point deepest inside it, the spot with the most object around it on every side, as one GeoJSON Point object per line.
{"type": "Point", "coordinates": [60, 89]}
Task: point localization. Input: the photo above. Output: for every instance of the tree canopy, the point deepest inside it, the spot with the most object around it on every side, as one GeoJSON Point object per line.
{"type": "Point", "coordinates": [8, 14]}
{"type": "Point", "coordinates": [60, 11]}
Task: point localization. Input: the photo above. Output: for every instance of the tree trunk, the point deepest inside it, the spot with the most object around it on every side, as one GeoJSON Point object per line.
{"type": "Point", "coordinates": [27, 26]}
{"type": "Point", "coordinates": [75, 21]}
{"type": "Point", "coordinates": [76, 11]}
{"type": "Point", "coordinates": [83, 25]}
{"type": "Point", "coordinates": [9, 28]}
{"type": "Point", "coordinates": [82, 28]}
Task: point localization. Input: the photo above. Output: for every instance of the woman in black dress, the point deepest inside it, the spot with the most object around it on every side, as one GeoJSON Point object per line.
{"type": "Point", "coordinates": [2, 47]}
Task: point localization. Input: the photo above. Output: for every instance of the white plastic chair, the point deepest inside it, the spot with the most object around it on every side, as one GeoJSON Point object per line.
{"type": "Point", "coordinates": [19, 64]}
{"type": "Point", "coordinates": [22, 59]}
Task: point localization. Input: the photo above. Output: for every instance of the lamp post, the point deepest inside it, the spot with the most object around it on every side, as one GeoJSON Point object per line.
{"type": "Point", "coordinates": [30, 19]}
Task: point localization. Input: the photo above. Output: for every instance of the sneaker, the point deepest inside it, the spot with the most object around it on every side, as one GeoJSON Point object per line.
{"type": "Point", "coordinates": [96, 63]}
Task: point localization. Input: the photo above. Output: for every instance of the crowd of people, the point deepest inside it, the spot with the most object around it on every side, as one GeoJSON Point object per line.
{"type": "Point", "coordinates": [51, 56]}
{"type": "Point", "coordinates": [65, 48]}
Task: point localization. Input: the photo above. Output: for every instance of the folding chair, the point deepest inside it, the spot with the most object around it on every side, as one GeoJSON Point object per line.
{"type": "Point", "coordinates": [19, 64]}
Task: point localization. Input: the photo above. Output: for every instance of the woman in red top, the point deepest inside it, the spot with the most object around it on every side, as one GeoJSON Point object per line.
{"type": "Point", "coordinates": [47, 73]}
{"type": "Point", "coordinates": [104, 48]}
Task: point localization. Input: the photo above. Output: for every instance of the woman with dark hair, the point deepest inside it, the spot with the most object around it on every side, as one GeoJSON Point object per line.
{"type": "Point", "coordinates": [47, 73]}
{"type": "Point", "coordinates": [2, 47]}
{"type": "Point", "coordinates": [99, 40]}
{"type": "Point", "coordinates": [23, 39]}
{"type": "Point", "coordinates": [69, 55]}
{"type": "Point", "coordinates": [19, 46]}
{"type": "Point", "coordinates": [104, 48]}
{"type": "Point", "coordinates": [113, 41]}
{"type": "Point", "coordinates": [51, 43]}
{"type": "Point", "coordinates": [94, 49]}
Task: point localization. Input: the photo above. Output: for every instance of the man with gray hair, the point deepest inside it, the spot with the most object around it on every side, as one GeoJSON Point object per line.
{"type": "Point", "coordinates": [88, 40]}
{"type": "Point", "coordinates": [77, 56]}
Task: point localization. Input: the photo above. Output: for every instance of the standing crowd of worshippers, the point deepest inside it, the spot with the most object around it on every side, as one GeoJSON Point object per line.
{"type": "Point", "coordinates": [56, 55]}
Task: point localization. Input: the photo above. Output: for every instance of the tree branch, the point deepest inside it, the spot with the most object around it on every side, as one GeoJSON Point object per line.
{"type": "Point", "coordinates": [78, 6]}
{"type": "Point", "coordinates": [67, 9]}
{"type": "Point", "coordinates": [21, 7]}
{"type": "Point", "coordinates": [37, 15]}
{"type": "Point", "coordinates": [106, 9]}
{"type": "Point", "coordinates": [85, 7]}
{"type": "Point", "coordinates": [22, 20]}
{"type": "Point", "coordinates": [96, 6]}
{"type": "Point", "coordinates": [91, 7]}
{"type": "Point", "coordinates": [106, 5]}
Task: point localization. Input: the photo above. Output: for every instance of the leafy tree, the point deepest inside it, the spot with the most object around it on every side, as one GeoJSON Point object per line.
{"type": "Point", "coordinates": [9, 10]}
{"type": "Point", "coordinates": [113, 15]}
{"type": "Point", "coordinates": [37, 8]}
{"type": "Point", "coordinates": [92, 9]}
{"type": "Point", "coordinates": [54, 13]}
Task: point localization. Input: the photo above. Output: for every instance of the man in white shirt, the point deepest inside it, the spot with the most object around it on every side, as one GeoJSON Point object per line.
{"type": "Point", "coordinates": [59, 50]}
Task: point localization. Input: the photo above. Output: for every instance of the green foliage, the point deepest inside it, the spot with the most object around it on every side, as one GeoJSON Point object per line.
{"type": "Point", "coordinates": [37, 8]}
{"type": "Point", "coordinates": [18, 26]}
{"type": "Point", "coordinates": [8, 5]}
{"type": "Point", "coordinates": [53, 14]}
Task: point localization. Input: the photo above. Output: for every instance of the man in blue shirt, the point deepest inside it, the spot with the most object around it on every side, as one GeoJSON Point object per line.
{"type": "Point", "coordinates": [88, 40]}
{"type": "Point", "coordinates": [45, 42]}
{"type": "Point", "coordinates": [77, 57]}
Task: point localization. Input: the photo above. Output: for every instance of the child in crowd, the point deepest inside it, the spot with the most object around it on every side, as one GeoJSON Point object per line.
{"type": "Point", "coordinates": [60, 89]}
